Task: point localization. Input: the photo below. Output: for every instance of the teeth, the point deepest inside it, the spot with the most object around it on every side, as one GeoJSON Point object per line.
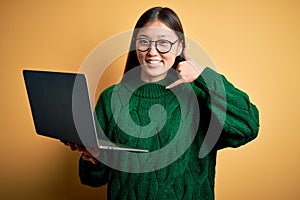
{"type": "Point", "coordinates": [153, 61]}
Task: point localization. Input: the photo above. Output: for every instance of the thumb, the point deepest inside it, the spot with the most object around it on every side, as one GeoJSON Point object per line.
{"type": "Point", "coordinates": [176, 83]}
{"type": "Point", "coordinates": [186, 54]}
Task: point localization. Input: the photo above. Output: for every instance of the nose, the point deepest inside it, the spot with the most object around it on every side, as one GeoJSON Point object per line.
{"type": "Point", "coordinates": [152, 49]}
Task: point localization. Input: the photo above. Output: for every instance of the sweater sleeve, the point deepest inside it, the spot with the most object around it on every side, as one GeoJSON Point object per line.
{"type": "Point", "coordinates": [231, 109]}
{"type": "Point", "coordinates": [93, 175]}
{"type": "Point", "coordinates": [90, 174]}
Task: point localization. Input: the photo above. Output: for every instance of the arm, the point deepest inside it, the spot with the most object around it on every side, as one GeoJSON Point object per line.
{"type": "Point", "coordinates": [232, 112]}
{"type": "Point", "coordinates": [95, 174]}
{"type": "Point", "coordinates": [91, 174]}
{"type": "Point", "coordinates": [238, 116]}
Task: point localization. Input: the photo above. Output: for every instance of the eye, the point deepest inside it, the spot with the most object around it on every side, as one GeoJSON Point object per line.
{"type": "Point", "coordinates": [143, 42]}
{"type": "Point", "coordinates": [163, 43]}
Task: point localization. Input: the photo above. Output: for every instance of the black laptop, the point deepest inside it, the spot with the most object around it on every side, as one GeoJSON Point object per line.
{"type": "Point", "coordinates": [61, 109]}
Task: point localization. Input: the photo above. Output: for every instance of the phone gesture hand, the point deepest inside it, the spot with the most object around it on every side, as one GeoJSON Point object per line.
{"type": "Point", "coordinates": [188, 70]}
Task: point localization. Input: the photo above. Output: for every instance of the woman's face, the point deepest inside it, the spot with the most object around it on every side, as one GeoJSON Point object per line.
{"type": "Point", "coordinates": [154, 64]}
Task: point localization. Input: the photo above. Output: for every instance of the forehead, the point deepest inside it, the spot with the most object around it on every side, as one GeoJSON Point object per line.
{"type": "Point", "coordinates": [156, 29]}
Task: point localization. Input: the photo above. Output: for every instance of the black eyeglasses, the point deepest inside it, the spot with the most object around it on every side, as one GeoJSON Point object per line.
{"type": "Point", "coordinates": [162, 46]}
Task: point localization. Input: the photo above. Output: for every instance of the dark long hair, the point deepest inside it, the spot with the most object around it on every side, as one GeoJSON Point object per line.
{"type": "Point", "coordinates": [163, 14]}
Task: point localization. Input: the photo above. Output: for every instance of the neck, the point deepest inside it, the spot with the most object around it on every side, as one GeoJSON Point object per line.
{"type": "Point", "coordinates": [151, 79]}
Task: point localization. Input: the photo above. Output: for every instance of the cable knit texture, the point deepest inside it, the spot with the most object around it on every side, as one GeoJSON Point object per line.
{"type": "Point", "coordinates": [188, 177]}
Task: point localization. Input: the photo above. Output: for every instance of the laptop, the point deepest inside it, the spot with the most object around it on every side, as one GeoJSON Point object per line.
{"type": "Point", "coordinates": [61, 109]}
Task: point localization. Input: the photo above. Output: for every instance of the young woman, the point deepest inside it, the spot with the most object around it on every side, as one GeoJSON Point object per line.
{"type": "Point", "coordinates": [222, 117]}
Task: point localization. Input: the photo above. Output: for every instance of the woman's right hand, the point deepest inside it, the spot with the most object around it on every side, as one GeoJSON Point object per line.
{"type": "Point", "coordinates": [88, 154]}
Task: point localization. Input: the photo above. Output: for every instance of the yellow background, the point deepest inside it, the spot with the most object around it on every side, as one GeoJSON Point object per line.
{"type": "Point", "coordinates": [255, 43]}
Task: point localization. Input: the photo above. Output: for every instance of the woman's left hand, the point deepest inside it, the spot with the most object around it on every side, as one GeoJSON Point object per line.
{"type": "Point", "coordinates": [88, 154]}
{"type": "Point", "coordinates": [188, 70]}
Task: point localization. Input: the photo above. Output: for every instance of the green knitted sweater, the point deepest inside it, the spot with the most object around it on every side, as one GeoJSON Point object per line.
{"type": "Point", "coordinates": [189, 176]}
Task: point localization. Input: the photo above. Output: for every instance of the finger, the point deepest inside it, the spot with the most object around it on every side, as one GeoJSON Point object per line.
{"type": "Point", "coordinates": [94, 161]}
{"type": "Point", "coordinates": [186, 54]}
{"type": "Point", "coordinates": [80, 147]}
{"type": "Point", "coordinates": [179, 69]}
{"type": "Point", "coordinates": [72, 146]}
{"type": "Point", "coordinates": [93, 151]}
{"type": "Point", "coordinates": [176, 83]}
{"type": "Point", "coordinates": [189, 60]}
{"type": "Point", "coordinates": [89, 158]}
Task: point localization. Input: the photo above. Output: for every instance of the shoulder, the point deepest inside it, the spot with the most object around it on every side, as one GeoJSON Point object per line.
{"type": "Point", "coordinates": [107, 94]}
{"type": "Point", "coordinates": [105, 97]}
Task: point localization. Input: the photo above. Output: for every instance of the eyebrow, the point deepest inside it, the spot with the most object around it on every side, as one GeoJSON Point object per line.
{"type": "Point", "coordinates": [159, 36]}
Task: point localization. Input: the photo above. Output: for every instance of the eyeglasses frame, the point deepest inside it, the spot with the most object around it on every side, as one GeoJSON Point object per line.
{"type": "Point", "coordinates": [155, 44]}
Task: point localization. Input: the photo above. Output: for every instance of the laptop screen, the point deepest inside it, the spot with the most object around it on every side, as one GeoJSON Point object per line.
{"type": "Point", "coordinates": [60, 106]}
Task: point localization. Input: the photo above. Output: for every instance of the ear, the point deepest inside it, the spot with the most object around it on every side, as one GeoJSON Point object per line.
{"type": "Point", "coordinates": [179, 48]}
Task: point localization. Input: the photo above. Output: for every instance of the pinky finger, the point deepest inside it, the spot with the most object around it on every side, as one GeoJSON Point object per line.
{"type": "Point", "coordinates": [176, 83]}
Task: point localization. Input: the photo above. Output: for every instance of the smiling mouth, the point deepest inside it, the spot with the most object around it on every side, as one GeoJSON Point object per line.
{"type": "Point", "coordinates": [153, 62]}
